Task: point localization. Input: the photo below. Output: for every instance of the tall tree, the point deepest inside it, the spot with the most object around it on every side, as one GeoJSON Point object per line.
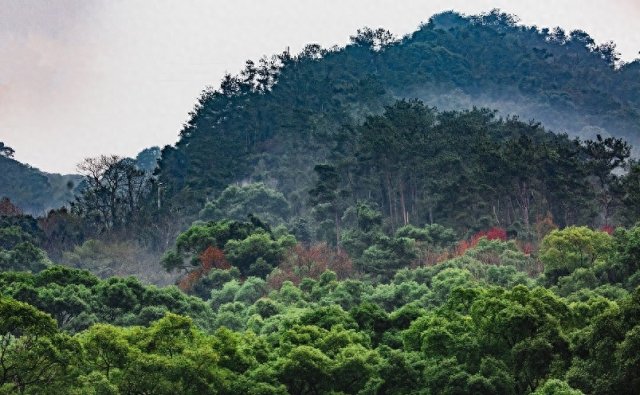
{"type": "Point", "coordinates": [327, 197]}
{"type": "Point", "coordinates": [605, 157]}
{"type": "Point", "coordinates": [113, 192]}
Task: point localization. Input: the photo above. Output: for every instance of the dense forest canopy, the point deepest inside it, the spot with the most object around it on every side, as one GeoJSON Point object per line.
{"type": "Point", "coordinates": [282, 115]}
{"type": "Point", "coordinates": [455, 211]}
{"type": "Point", "coordinates": [475, 323]}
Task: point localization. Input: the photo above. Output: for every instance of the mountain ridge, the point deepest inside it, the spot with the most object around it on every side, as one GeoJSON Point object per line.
{"type": "Point", "coordinates": [294, 107]}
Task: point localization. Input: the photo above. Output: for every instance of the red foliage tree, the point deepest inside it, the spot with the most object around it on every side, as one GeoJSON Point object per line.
{"type": "Point", "coordinates": [211, 258]}
{"type": "Point", "coordinates": [490, 234]}
{"type": "Point", "coordinates": [607, 229]}
{"type": "Point", "coordinates": [527, 248]}
{"type": "Point", "coordinates": [190, 279]}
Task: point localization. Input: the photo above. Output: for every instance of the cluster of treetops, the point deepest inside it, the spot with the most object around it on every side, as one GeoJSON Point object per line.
{"type": "Point", "coordinates": [355, 297]}
{"type": "Point", "coordinates": [338, 241]}
{"type": "Point", "coordinates": [280, 116]}
{"type": "Point", "coordinates": [416, 312]}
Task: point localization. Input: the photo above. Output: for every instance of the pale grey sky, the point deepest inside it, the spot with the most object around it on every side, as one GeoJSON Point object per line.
{"type": "Point", "coordinates": [79, 77]}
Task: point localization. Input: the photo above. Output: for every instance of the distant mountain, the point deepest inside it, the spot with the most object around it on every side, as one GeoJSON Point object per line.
{"type": "Point", "coordinates": [35, 191]}
{"type": "Point", "coordinates": [280, 116]}
{"type": "Point", "coordinates": [147, 159]}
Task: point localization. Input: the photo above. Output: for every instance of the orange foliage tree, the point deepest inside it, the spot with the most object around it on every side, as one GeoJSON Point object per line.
{"type": "Point", "coordinates": [310, 262]}
{"type": "Point", "coordinates": [490, 234]}
{"type": "Point", "coordinates": [211, 258]}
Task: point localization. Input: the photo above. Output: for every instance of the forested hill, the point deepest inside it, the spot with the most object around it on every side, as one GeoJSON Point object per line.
{"type": "Point", "coordinates": [330, 231]}
{"type": "Point", "coordinates": [34, 191]}
{"type": "Point", "coordinates": [281, 116]}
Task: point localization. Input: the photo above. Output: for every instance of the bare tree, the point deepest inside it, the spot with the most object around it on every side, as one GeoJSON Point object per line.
{"type": "Point", "coordinates": [113, 192]}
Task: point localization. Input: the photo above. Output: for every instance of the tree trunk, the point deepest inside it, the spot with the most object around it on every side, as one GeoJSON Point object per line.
{"type": "Point", "coordinates": [403, 206]}
{"type": "Point", "coordinates": [391, 200]}
{"type": "Point", "coordinates": [337, 230]}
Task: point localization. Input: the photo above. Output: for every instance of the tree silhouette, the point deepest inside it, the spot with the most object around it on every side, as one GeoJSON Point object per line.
{"type": "Point", "coordinates": [5, 150]}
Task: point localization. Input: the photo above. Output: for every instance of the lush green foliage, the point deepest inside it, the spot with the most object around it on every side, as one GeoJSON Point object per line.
{"type": "Point", "coordinates": [237, 202]}
{"type": "Point", "coordinates": [19, 241]}
{"type": "Point", "coordinates": [472, 324]}
{"type": "Point", "coordinates": [332, 239]}
{"type": "Point", "coordinates": [251, 247]}
{"type": "Point", "coordinates": [78, 299]}
{"type": "Point", "coordinates": [282, 117]}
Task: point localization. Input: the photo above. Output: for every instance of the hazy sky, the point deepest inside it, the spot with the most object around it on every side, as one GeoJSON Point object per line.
{"type": "Point", "coordinates": [80, 78]}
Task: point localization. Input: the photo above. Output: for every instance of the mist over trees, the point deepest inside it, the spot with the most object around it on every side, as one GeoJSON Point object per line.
{"type": "Point", "coordinates": [33, 191]}
{"type": "Point", "coordinates": [453, 211]}
{"type": "Point", "coordinates": [276, 133]}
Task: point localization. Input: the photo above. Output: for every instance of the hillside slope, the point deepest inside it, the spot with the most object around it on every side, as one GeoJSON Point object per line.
{"type": "Point", "coordinates": [35, 191]}
{"type": "Point", "coordinates": [281, 116]}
